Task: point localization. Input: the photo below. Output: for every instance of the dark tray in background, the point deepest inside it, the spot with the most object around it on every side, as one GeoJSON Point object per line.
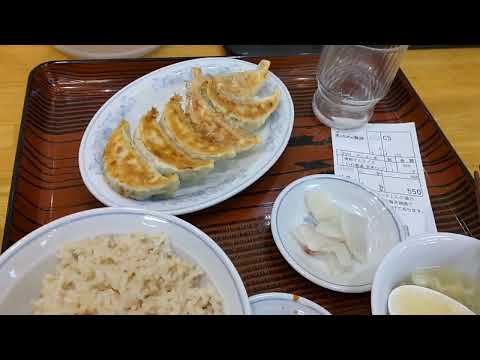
{"type": "Point", "coordinates": [63, 96]}
{"type": "Point", "coordinates": [289, 50]}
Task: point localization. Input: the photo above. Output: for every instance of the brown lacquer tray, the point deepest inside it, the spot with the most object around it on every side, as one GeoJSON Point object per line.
{"type": "Point", "coordinates": [63, 96]}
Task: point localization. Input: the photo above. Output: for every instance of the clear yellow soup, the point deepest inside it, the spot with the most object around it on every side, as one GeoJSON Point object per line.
{"type": "Point", "coordinates": [450, 282]}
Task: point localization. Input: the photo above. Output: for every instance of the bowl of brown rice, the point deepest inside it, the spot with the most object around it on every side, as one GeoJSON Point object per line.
{"type": "Point", "coordinates": [119, 261]}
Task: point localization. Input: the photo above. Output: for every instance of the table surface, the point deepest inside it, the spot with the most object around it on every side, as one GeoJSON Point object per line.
{"type": "Point", "coordinates": [447, 80]}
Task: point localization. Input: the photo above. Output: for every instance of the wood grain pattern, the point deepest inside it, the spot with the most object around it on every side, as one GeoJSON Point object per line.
{"type": "Point", "coordinates": [16, 63]}
{"type": "Point", "coordinates": [447, 80]}
{"type": "Point", "coordinates": [63, 97]}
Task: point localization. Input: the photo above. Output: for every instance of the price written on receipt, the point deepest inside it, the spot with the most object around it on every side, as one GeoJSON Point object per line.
{"type": "Point", "coordinates": [386, 159]}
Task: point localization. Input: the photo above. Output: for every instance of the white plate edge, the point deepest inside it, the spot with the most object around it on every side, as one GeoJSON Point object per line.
{"type": "Point", "coordinates": [286, 296]}
{"type": "Point", "coordinates": [220, 199]}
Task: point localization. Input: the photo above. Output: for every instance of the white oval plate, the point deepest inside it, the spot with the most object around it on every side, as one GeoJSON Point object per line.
{"type": "Point", "coordinates": [154, 89]}
{"type": "Point", "coordinates": [284, 304]}
{"type": "Point", "coordinates": [384, 230]}
{"type": "Point", "coordinates": [24, 264]}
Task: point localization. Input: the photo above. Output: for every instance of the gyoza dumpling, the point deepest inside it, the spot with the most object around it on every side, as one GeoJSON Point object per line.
{"type": "Point", "coordinates": [248, 113]}
{"type": "Point", "coordinates": [211, 123]}
{"type": "Point", "coordinates": [152, 142]}
{"type": "Point", "coordinates": [245, 83]}
{"type": "Point", "coordinates": [179, 127]}
{"type": "Point", "coordinates": [128, 173]}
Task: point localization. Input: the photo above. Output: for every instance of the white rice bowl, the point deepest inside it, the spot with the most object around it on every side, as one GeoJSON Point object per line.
{"type": "Point", "coordinates": [25, 265]}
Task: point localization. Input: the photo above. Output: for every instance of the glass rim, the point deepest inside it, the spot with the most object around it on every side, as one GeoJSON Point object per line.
{"type": "Point", "coordinates": [390, 49]}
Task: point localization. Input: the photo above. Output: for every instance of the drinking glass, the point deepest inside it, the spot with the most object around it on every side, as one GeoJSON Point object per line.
{"type": "Point", "coordinates": [351, 80]}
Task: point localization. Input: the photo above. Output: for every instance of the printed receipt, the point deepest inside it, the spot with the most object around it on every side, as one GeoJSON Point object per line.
{"type": "Point", "coordinates": [386, 159]}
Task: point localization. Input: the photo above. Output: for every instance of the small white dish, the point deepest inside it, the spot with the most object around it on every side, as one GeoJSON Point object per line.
{"type": "Point", "coordinates": [284, 304]}
{"type": "Point", "coordinates": [458, 252]}
{"type": "Point", "coordinates": [106, 51]}
{"type": "Point", "coordinates": [154, 89]}
{"type": "Point", "coordinates": [24, 264]}
{"type": "Point", "coordinates": [384, 230]}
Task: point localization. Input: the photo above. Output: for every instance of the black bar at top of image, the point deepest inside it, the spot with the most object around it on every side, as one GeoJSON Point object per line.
{"type": "Point", "coordinates": [224, 23]}
{"type": "Point", "coordinates": [296, 26]}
